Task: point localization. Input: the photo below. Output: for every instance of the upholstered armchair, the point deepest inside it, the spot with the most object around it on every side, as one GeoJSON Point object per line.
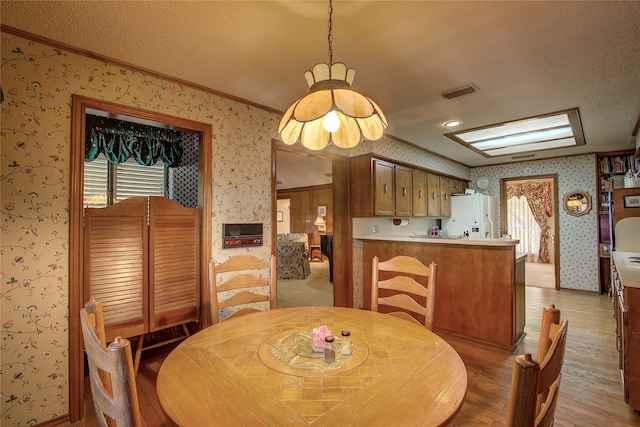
{"type": "Point", "coordinates": [293, 256]}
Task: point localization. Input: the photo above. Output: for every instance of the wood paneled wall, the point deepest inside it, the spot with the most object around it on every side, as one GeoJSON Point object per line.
{"type": "Point", "coordinates": [304, 209]}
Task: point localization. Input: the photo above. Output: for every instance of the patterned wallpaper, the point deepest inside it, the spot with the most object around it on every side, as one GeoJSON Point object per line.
{"type": "Point", "coordinates": [578, 235]}
{"type": "Point", "coordinates": [38, 82]}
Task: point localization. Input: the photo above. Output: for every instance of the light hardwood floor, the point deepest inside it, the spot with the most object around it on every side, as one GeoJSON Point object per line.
{"type": "Point", "coordinates": [590, 394]}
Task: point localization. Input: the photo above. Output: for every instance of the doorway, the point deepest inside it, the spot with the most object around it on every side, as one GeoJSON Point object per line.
{"type": "Point", "coordinates": [313, 177]}
{"type": "Point", "coordinates": [81, 105]}
{"type": "Point", "coordinates": [529, 207]}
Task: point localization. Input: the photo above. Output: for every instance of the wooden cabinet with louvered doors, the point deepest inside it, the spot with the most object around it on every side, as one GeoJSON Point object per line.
{"type": "Point", "coordinates": [142, 261]}
{"type": "Point", "coordinates": [384, 200]}
{"type": "Point", "coordinates": [419, 193]}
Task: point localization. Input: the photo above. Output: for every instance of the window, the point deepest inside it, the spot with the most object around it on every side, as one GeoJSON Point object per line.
{"type": "Point", "coordinates": [523, 226]}
{"type": "Point", "coordinates": [106, 183]}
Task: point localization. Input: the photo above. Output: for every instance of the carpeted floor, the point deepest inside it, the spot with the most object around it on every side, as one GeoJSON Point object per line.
{"type": "Point", "coordinates": [315, 290]}
{"type": "Point", "coordinates": [539, 275]}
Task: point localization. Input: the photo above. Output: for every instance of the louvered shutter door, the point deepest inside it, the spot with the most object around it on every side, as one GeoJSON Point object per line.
{"type": "Point", "coordinates": [174, 263]}
{"type": "Point", "coordinates": [116, 265]}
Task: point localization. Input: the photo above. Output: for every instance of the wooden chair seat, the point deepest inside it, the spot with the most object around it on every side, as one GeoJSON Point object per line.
{"type": "Point", "coordinates": [405, 297]}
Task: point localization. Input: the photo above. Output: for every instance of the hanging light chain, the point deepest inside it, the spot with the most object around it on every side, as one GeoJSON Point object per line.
{"type": "Point", "coordinates": [330, 37]}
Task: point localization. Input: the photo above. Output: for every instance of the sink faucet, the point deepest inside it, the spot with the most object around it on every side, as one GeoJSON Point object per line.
{"type": "Point", "coordinates": [466, 234]}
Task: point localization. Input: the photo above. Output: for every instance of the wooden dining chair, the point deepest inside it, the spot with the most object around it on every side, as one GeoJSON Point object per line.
{"type": "Point", "coordinates": [535, 384]}
{"type": "Point", "coordinates": [407, 298]}
{"type": "Point", "coordinates": [244, 285]}
{"type": "Point", "coordinates": [111, 374]}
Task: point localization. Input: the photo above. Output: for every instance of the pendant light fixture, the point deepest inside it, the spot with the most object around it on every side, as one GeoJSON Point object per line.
{"type": "Point", "coordinates": [332, 113]}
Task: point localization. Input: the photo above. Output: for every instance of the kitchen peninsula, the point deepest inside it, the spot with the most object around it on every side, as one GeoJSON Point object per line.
{"type": "Point", "coordinates": [480, 292]}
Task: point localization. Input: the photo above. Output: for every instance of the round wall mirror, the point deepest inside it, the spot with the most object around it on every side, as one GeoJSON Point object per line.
{"type": "Point", "coordinates": [577, 203]}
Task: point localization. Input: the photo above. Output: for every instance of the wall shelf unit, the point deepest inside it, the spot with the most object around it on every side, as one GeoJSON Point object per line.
{"type": "Point", "coordinates": [610, 170]}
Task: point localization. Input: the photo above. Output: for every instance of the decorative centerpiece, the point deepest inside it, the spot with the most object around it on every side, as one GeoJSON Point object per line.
{"type": "Point", "coordinates": [317, 340]}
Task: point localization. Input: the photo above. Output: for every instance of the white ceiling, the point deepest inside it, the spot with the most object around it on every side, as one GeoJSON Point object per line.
{"type": "Point", "coordinates": [527, 58]}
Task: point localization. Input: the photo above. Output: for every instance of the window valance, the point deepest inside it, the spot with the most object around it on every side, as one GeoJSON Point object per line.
{"type": "Point", "coordinates": [118, 140]}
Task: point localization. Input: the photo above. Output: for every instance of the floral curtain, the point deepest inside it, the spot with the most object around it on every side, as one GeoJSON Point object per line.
{"type": "Point", "coordinates": [118, 140]}
{"type": "Point", "coordinates": [538, 195]}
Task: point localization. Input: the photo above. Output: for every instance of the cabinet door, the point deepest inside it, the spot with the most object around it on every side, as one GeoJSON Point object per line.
{"type": "Point", "coordinates": [457, 186]}
{"type": "Point", "coordinates": [384, 201]}
{"type": "Point", "coordinates": [419, 193]}
{"type": "Point", "coordinates": [433, 195]}
{"type": "Point", "coordinates": [445, 197]}
{"type": "Point", "coordinates": [403, 191]}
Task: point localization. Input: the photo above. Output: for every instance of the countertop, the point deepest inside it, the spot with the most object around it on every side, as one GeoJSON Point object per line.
{"type": "Point", "coordinates": [439, 240]}
{"type": "Point", "coordinates": [629, 272]}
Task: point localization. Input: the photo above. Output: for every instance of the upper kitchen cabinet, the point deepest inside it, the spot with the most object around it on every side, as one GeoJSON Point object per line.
{"type": "Point", "coordinates": [380, 187]}
{"type": "Point", "coordinates": [419, 193]}
{"type": "Point", "coordinates": [439, 196]}
{"type": "Point", "coordinates": [392, 188]}
{"type": "Point", "coordinates": [384, 202]}
{"type": "Point", "coordinates": [457, 186]}
{"type": "Point", "coordinates": [403, 191]}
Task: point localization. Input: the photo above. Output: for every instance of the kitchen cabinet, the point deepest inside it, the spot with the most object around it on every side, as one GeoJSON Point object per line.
{"type": "Point", "coordinates": [403, 191]}
{"type": "Point", "coordinates": [457, 186]}
{"type": "Point", "coordinates": [384, 203]}
{"type": "Point", "coordinates": [439, 203]}
{"type": "Point", "coordinates": [626, 302]}
{"type": "Point", "coordinates": [380, 187]}
{"type": "Point", "coordinates": [490, 287]}
{"type": "Point", "coordinates": [419, 193]}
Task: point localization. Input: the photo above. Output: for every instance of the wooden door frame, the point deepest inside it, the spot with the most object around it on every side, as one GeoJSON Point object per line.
{"type": "Point", "coordinates": [342, 229]}
{"type": "Point", "coordinates": [556, 209]}
{"type": "Point", "coordinates": [76, 294]}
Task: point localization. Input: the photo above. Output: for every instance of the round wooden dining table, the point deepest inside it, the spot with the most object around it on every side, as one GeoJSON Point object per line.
{"type": "Point", "coordinates": [259, 369]}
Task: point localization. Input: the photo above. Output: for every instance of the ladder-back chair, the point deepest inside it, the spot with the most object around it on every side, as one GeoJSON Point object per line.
{"type": "Point", "coordinates": [535, 385]}
{"type": "Point", "coordinates": [111, 374]}
{"type": "Point", "coordinates": [407, 294]}
{"type": "Point", "coordinates": [246, 283]}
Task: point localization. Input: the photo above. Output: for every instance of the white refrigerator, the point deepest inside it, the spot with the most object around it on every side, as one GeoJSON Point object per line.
{"type": "Point", "coordinates": [476, 214]}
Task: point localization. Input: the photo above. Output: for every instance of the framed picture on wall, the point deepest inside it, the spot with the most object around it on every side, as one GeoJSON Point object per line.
{"type": "Point", "coordinates": [279, 216]}
{"type": "Point", "coordinates": [632, 201]}
{"type": "Point", "coordinates": [322, 210]}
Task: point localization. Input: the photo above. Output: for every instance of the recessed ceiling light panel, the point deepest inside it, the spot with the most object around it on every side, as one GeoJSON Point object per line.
{"type": "Point", "coordinates": [545, 132]}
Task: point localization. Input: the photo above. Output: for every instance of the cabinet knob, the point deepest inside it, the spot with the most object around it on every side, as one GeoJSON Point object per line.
{"type": "Point", "coordinates": [419, 194]}
{"type": "Point", "coordinates": [384, 188]}
{"type": "Point", "coordinates": [404, 191]}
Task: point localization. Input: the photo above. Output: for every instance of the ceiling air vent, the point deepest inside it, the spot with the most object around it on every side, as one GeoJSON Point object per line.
{"type": "Point", "coordinates": [459, 91]}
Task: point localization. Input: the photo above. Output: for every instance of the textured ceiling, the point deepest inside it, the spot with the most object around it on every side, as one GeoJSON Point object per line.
{"type": "Point", "coordinates": [527, 58]}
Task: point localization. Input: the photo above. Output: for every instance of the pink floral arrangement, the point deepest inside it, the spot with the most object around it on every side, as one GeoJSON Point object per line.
{"type": "Point", "coordinates": [317, 341]}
